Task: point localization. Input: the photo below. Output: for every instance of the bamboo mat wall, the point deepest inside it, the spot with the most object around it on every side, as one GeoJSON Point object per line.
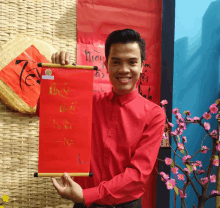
{"type": "Point", "coordinates": [53, 21]}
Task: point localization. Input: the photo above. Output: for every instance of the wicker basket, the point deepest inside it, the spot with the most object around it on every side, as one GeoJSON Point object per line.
{"type": "Point", "coordinates": [53, 21]}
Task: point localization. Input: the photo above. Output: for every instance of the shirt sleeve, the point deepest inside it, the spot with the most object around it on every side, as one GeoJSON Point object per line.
{"type": "Point", "coordinates": [129, 185]}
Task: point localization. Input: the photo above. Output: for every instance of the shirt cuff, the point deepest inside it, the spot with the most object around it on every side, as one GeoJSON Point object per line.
{"type": "Point", "coordinates": [90, 196]}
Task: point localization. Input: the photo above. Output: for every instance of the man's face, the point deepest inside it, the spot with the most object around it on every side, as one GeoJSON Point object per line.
{"type": "Point", "coordinates": [124, 67]}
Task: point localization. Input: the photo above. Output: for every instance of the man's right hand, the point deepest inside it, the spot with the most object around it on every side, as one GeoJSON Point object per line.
{"type": "Point", "coordinates": [61, 57]}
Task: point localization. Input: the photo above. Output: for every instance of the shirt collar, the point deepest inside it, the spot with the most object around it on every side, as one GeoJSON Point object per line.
{"type": "Point", "coordinates": [123, 99]}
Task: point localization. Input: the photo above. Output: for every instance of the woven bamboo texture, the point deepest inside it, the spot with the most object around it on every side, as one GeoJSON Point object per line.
{"type": "Point", "coordinates": [53, 21]}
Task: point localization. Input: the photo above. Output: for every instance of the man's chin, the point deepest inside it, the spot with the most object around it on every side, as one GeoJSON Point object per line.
{"type": "Point", "coordinates": [123, 90]}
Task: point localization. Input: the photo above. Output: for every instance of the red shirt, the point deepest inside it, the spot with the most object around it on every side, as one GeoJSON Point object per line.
{"type": "Point", "coordinates": [126, 136]}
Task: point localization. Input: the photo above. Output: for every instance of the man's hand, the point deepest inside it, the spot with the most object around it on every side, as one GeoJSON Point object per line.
{"type": "Point", "coordinates": [61, 58]}
{"type": "Point", "coordinates": [69, 189]}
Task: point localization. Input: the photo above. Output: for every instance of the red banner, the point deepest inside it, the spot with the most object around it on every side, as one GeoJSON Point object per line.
{"type": "Point", "coordinates": [22, 75]}
{"type": "Point", "coordinates": [65, 120]}
{"type": "Point", "coordinates": [96, 19]}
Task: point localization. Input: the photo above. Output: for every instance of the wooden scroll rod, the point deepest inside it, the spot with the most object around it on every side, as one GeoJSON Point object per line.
{"type": "Point", "coordinates": [61, 174]}
{"type": "Point", "coordinates": [67, 66]}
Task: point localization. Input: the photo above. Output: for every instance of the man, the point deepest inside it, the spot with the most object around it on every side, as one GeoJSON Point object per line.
{"type": "Point", "coordinates": [126, 131]}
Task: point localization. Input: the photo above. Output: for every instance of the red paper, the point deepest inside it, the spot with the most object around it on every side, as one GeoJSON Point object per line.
{"type": "Point", "coordinates": [22, 75]}
{"type": "Point", "coordinates": [65, 120]}
{"type": "Point", "coordinates": [94, 56]}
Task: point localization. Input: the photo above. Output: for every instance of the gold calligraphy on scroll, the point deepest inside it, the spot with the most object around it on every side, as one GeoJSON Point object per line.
{"type": "Point", "coordinates": [63, 92]}
{"type": "Point", "coordinates": [65, 125]}
{"type": "Point", "coordinates": [71, 109]}
{"type": "Point", "coordinates": [67, 141]}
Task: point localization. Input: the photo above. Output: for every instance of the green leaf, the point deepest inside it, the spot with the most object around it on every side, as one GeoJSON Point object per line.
{"type": "Point", "coordinates": [217, 101]}
{"type": "Point", "coordinates": [189, 168]}
{"type": "Point", "coordinates": [172, 165]}
{"type": "Point", "coordinates": [176, 190]}
{"type": "Point", "coordinates": [215, 157]}
{"type": "Point", "coordinates": [182, 151]}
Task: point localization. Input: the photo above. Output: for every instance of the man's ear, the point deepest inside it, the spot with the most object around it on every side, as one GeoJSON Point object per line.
{"type": "Point", "coordinates": [106, 65]}
{"type": "Point", "coordinates": [142, 66]}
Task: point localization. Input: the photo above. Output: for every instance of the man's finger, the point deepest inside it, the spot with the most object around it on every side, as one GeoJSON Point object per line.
{"type": "Point", "coordinates": [67, 58]}
{"type": "Point", "coordinates": [62, 57]}
{"type": "Point", "coordinates": [53, 58]}
{"type": "Point", "coordinates": [69, 179]}
{"type": "Point", "coordinates": [56, 184]}
{"type": "Point", "coordinates": [57, 58]}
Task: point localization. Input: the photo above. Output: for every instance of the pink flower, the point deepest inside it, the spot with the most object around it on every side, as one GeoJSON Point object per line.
{"type": "Point", "coordinates": [194, 167]}
{"type": "Point", "coordinates": [178, 116]}
{"type": "Point", "coordinates": [181, 132]}
{"type": "Point", "coordinates": [213, 178]}
{"type": "Point", "coordinates": [214, 192]}
{"type": "Point", "coordinates": [204, 180]}
{"type": "Point", "coordinates": [189, 119]}
{"type": "Point", "coordinates": [213, 109]}
{"type": "Point", "coordinates": [182, 126]}
{"type": "Point", "coordinates": [170, 124]}
{"type": "Point", "coordinates": [200, 171]}
{"type": "Point", "coordinates": [207, 126]}
{"type": "Point", "coordinates": [186, 170]}
{"type": "Point", "coordinates": [181, 177]}
{"type": "Point", "coordinates": [174, 132]}
{"type": "Point", "coordinates": [196, 118]}
{"type": "Point", "coordinates": [188, 113]}
{"type": "Point", "coordinates": [198, 163]}
{"type": "Point", "coordinates": [180, 146]}
{"type": "Point", "coordinates": [204, 149]}
{"type": "Point", "coordinates": [207, 116]}
{"type": "Point", "coordinates": [164, 176]}
{"type": "Point", "coordinates": [217, 116]}
{"type": "Point", "coordinates": [165, 136]}
{"type": "Point", "coordinates": [179, 121]}
{"type": "Point", "coordinates": [218, 147]}
{"type": "Point", "coordinates": [214, 134]}
{"type": "Point", "coordinates": [185, 158]}
{"type": "Point", "coordinates": [168, 161]}
{"type": "Point", "coordinates": [170, 184]}
{"type": "Point", "coordinates": [175, 111]}
{"type": "Point", "coordinates": [182, 195]}
{"type": "Point", "coordinates": [215, 162]}
{"type": "Point", "coordinates": [164, 102]}
{"type": "Point", "coordinates": [174, 170]}
{"type": "Point", "coordinates": [184, 139]}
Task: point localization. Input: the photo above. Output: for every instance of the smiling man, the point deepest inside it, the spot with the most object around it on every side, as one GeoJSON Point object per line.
{"type": "Point", "coordinates": [126, 131]}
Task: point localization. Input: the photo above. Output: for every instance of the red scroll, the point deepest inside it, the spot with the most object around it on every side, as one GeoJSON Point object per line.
{"type": "Point", "coordinates": [65, 120]}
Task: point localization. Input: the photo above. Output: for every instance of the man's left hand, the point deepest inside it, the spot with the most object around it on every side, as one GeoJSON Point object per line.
{"type": "Point", "coordinates": [69, 189]}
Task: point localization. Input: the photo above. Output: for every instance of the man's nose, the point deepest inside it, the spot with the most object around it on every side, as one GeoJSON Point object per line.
{"type": "Point", "coordinates": [124, 68]}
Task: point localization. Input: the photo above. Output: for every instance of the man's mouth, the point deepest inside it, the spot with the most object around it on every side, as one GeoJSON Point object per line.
{"type": "Point", "coordinates": [123, 80]}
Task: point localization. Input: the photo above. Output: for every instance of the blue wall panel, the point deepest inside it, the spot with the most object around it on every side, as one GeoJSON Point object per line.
{"type": "Point", "coordinates": [196, 72]}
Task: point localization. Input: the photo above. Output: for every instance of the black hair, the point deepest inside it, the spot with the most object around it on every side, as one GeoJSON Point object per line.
{"type": "Point", "coordinates": [125, 36]}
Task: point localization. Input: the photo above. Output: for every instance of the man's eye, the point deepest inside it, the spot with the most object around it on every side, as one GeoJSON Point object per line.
{"type": "Point", "coordinates": [133, 62]}
{"type": "Point", "coordinates": [115, 62]}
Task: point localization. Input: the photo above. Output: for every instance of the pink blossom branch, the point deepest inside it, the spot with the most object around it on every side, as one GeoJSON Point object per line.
{"type": "Point", "coordinates": [194, 173]}
{"type": "Point", "coordinates": [213, 195]}
{"type": "Point", "coordinates": [187, 176]}
{"type": "Point", "coordinates": [175, 152]}
{"type": "Point", "coordinates": [196, 153]}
